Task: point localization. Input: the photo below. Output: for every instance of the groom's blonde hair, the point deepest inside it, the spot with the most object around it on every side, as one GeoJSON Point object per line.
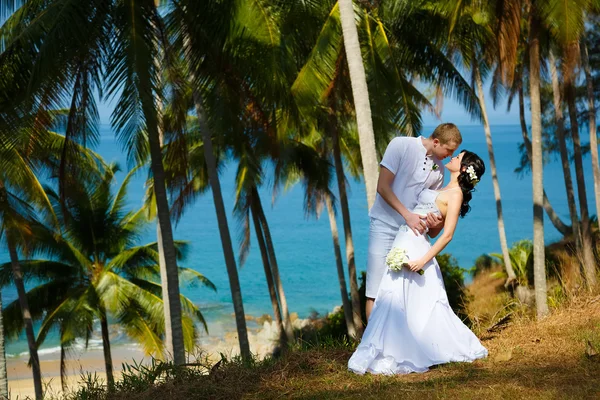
{"type": "Point", "coordinates": [447, 133]}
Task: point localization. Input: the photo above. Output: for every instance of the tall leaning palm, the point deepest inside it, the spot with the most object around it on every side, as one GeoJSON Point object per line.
{"type": "Point", "coordinates": [362, 105]}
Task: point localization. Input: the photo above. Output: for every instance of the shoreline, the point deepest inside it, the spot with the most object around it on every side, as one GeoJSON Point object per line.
{"type": "Point", "coordinates": [263, 340]}
{"type": "Point", "coordinates": [20, 382]}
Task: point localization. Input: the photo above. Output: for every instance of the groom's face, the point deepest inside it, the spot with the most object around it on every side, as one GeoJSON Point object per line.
{"type": "Point", "coordinates": [443, 150]}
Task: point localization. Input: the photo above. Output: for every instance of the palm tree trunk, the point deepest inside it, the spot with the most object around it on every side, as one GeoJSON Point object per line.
{"type": "Point", "coordinates": [169, 271]}
{"type": "Point", "coordinates": [18, 278]}
{"type": "Point", "coordinates": [537, 170]}
{"type": "Point", "coordinates": [108, 365]}
{"type": "Point", "coordinates": [360, 92]}
{"type": "Point", "coordinates": [340, 268]}
{"type": "Point", "coordinates": [488, 138]}
{"type": "Point", "coordinates": [341, 180]}
{"type": "Point", "coordinates": [63, 368]}
{"type": "Point", "coordinates": [564, 154]}
{"type": "Point", "coordinates": [589, 264]}
{"type": "Point", "coordinates": [268, 274]}
{"type": "Point", "coordinates": [168, 350]}
{"type": "Point", "coordinates": [230, 264]}
{"type": "Point", "coordinates": [3, 375]}
{"type": "Point", "coordinates": [563, 228]}
{"type": "Point", "coordinates": [592, 120]}
{"type": "Point", "coordinates": [287, 323]}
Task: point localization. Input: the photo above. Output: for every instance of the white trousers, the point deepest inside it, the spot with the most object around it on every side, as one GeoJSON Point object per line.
{"type": "Point", "coordinates": [381, 238]}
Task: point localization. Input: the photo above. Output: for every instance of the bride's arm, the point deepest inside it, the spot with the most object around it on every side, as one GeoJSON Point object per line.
{"type": "Point", "coordinates": [452, 214]}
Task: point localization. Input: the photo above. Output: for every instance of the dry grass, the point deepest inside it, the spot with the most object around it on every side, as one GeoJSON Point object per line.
{"type": "Point", "coordinates": [488, 301]}
{"type": "Point", "coordinates": [533, 360]}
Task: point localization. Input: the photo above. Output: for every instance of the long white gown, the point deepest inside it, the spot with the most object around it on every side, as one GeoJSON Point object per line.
{"type": "Point", "coordinates": [412, 326]}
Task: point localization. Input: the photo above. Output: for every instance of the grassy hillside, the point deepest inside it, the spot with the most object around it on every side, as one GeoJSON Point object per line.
{"type": "Point", "coordinates": [528, 359]}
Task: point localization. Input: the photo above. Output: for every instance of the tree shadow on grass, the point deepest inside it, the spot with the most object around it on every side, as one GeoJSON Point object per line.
{"type": "Point", "coordinates": [463, 381]}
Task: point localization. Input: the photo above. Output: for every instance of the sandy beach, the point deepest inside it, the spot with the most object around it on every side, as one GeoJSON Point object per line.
{"type": "Point", "coordinates": [262, 343]}
{"type": "Point", "coordinates": [20, 384]}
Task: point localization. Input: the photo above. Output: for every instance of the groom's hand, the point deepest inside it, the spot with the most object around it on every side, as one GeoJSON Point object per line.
{"type": "Point", "coordinates": [416, 223]}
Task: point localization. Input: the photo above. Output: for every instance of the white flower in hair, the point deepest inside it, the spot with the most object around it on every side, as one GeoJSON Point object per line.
{"type": "Point", "coordinates": [472, 175]}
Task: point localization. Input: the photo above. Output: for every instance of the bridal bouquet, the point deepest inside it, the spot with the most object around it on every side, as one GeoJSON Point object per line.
{"type": "Point", "coordinates": [397, 259]}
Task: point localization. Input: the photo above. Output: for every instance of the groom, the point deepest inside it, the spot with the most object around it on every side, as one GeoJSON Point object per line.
{"type": "Point", "coordinates": [409, 165]}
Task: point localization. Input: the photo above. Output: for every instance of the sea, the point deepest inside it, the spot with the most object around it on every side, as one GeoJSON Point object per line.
{"type": "Point", "coordinates": [304, 246]}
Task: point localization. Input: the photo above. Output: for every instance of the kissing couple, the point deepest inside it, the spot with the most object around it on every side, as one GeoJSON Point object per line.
{"type": "Point", "coordinates": [411, 326]}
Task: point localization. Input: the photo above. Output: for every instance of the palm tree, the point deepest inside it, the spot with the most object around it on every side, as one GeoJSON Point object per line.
{"type": "Point", "coordinates": [508, 32]}
{"type": "Point", "coordinates": [592, 122]}
{"type": "Point", "coordinates": [496, 184]}
{"type": "Point", "coordinates": [32, 149]}
{"type": "Point", "coordinates": [94, 271]}
{"type": "Point", "coordinates": [472, 35]}
{"type": "Point", "coordinates": [249, 178]}
{"type": "Point", "coordinates": [567, 24]}
{"type": "Point", "coordinates": [564, 153]}
{"type": "Point", "coordinates": [309, 162]}
{"type": "Point", "coordinates": [261, 217]}
{"type": "Point", "coordinates": [103, 44]}
{"type": "Point", "coordinates": [360, 92]}
{"type": "Point", "coordinates": [10, 222]}
{"type": "Point", "coordinates": [222, 42]}
{"type": "Point", "coordinates": [19, 191]}
{"type": "Point", "coordinates": [247, 203]}
{"type": "Point", "coordinates": [268, 272]}
{"type": "Point", "coordinates": [346, 305]}
{"type": "Point", "coordinates": [211, 167]}
{"type": "Point", "coordinates": [397, 47]}
{"type": "Point", "coordinates": [537, 168]}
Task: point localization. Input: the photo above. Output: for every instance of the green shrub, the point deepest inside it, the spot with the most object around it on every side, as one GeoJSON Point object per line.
{"type": "Point", "coordinates": [483, 263]}
{"type": "Point", "coordinates": [454, 282]}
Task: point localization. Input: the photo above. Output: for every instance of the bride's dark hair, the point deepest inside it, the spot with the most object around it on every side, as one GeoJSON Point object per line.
{"type": "Point", "coordinates": [467, 179]}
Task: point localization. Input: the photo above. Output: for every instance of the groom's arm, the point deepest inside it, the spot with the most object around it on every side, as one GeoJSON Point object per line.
{"type": "Point", "coordinates": [384, 188]}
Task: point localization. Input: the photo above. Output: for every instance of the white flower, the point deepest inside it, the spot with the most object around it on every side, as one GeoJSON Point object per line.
{"type": "Point", "coordinates": [397, 259]}
{"type": "Point", "coordinates": [472, 175]}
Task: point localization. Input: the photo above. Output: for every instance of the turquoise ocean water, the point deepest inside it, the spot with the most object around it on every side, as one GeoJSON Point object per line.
{"type": "Point", "coordinates": [304, 246]}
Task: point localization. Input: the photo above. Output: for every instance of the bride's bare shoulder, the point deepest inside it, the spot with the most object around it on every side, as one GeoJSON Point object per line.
{"type": "Point", "coordinates": [451, 195]}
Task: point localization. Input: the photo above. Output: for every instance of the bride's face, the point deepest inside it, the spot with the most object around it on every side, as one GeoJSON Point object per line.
{"type": "Point", "coordinates": [455, 162]}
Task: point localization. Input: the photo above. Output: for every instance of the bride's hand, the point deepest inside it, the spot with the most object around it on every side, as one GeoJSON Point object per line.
{"type": "Point", "coordinates": [416, 265]}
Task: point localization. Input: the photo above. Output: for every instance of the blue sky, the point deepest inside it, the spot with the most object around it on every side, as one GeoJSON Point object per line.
{"type": "Point", "coordinates": [452, 112]}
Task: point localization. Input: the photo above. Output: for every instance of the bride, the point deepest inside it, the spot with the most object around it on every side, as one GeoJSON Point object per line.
{"type": "Point", "coordinates": [412, 326]}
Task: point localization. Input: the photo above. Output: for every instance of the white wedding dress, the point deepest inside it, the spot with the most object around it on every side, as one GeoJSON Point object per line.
{"type": "Point", "coordinates": [412, 326]}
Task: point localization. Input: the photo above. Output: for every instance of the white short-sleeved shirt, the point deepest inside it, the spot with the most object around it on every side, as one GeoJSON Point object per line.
{"type": "Point", "coordinates": [414, 170]}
